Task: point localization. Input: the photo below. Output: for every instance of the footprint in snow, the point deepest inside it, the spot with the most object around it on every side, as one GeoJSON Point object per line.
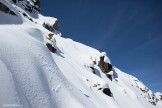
{"type": "Point", "coordinates": [57, 89]}
{"type": "Point", "coordinates": [51, 77]}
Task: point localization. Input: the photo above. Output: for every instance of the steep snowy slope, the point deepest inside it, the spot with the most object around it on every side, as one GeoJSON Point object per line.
{"type": "Point", "coordinates": [33, 77]}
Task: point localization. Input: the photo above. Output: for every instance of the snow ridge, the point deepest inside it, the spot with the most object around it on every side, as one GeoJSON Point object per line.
{"type": "Point", "coordinates": [33, 77]}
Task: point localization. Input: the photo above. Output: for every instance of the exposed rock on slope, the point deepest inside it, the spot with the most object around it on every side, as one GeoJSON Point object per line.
{"type": "Point", "coordinates": [51, 24]}
{"type": "Point", "coordinates": [29, 5]}
{"type": "Point", "coordinates": [5, 9]}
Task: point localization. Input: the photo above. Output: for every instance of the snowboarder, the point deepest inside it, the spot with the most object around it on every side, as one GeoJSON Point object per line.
{"type": "Point", "coordinates": [51, 43]}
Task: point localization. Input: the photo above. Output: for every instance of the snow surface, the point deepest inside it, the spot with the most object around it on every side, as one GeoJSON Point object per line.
{"type": "Point", "coordinates": [33, 77]}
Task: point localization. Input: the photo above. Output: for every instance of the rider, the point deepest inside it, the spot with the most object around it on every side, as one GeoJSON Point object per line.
{"type": "Point", "coordinates": [51, 42]}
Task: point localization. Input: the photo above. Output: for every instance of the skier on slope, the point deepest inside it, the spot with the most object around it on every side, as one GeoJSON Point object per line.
{"type": "Point", "coordinates": [51, 43]}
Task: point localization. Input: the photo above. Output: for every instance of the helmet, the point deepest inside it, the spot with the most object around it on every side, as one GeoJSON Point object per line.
{"type": "Point", "coordinates": [50, 35]}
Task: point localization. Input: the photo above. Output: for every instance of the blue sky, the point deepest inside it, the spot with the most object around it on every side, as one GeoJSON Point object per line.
{"type": "Point", "coordinates": [130, 31]}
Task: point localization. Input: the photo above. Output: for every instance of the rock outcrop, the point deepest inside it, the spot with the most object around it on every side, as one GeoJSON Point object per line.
{"type": "Point", "coordinates": [56, 25]}
{"type": "Point", "coordinates": [29, 5]}
{"type": "Point", "coordinates": [5, 9]}
{"type": "Point", "coordinates": [153, 98]}
{"type": "Point", "coordinates": [105, 67]}
{"type": "Point", "coordinates": [107, 92]}
{"type": "Point", "coordinates": [51, 24]}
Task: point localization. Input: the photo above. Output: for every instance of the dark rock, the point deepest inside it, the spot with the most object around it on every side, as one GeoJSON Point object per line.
{"type": "Point", "coordinates": [160, 97]}
{"type": "Point", "coordinates": [86, 95]}
{"type": "Point", "coordinates": [109, 76]}
{"type": "Point", "coordinates": [5, 9]}
{"type": "Point", "coordinates": [94, 85]}
{"type": "Point", "coordinates": [153, 103]}
{"type": "Point", "coordinates": [93, 70]}
{"type": "Point", "coordinates": [37, 4]}
{"type": "Point", "coordinates": [94, 62]}
{"type": "Point", "coordinates": [56, 25]}
{"type": "Point", "coordinates": [48, 27]}
{"type": "Point", "coordinates": [12, 13]}
{"type": "Point", "coordinates": [107, 92]}
{"type": "Point", "coordinates": [31, 19]}
{"type": "Point", "coordinates": [105, 67]}
{"type": "Point", "coordinates": [144, 91]}
{"type": "Point", "coordinates": [53, 28]}
{"type": "Point", "coordinates": [15, 1]}
{"type": "Point", "coordinates": [29, 9]}
{"type": "Point", "coordinates": [98, 84]}
{"type": "Point", "coordinates": [99, 88]}
{"type": "Point", "coordinates": [25, 15]}
{"type": "Point", "coordinates": [30, 5]}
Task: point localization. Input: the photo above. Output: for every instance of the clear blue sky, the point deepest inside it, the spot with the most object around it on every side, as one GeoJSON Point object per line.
{"type": "Point", "coordinates": [130, 31]}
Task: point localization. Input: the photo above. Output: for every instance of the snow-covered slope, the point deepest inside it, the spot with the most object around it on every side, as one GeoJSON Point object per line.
{"type": "Point", "coordinates": [33, 77]}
